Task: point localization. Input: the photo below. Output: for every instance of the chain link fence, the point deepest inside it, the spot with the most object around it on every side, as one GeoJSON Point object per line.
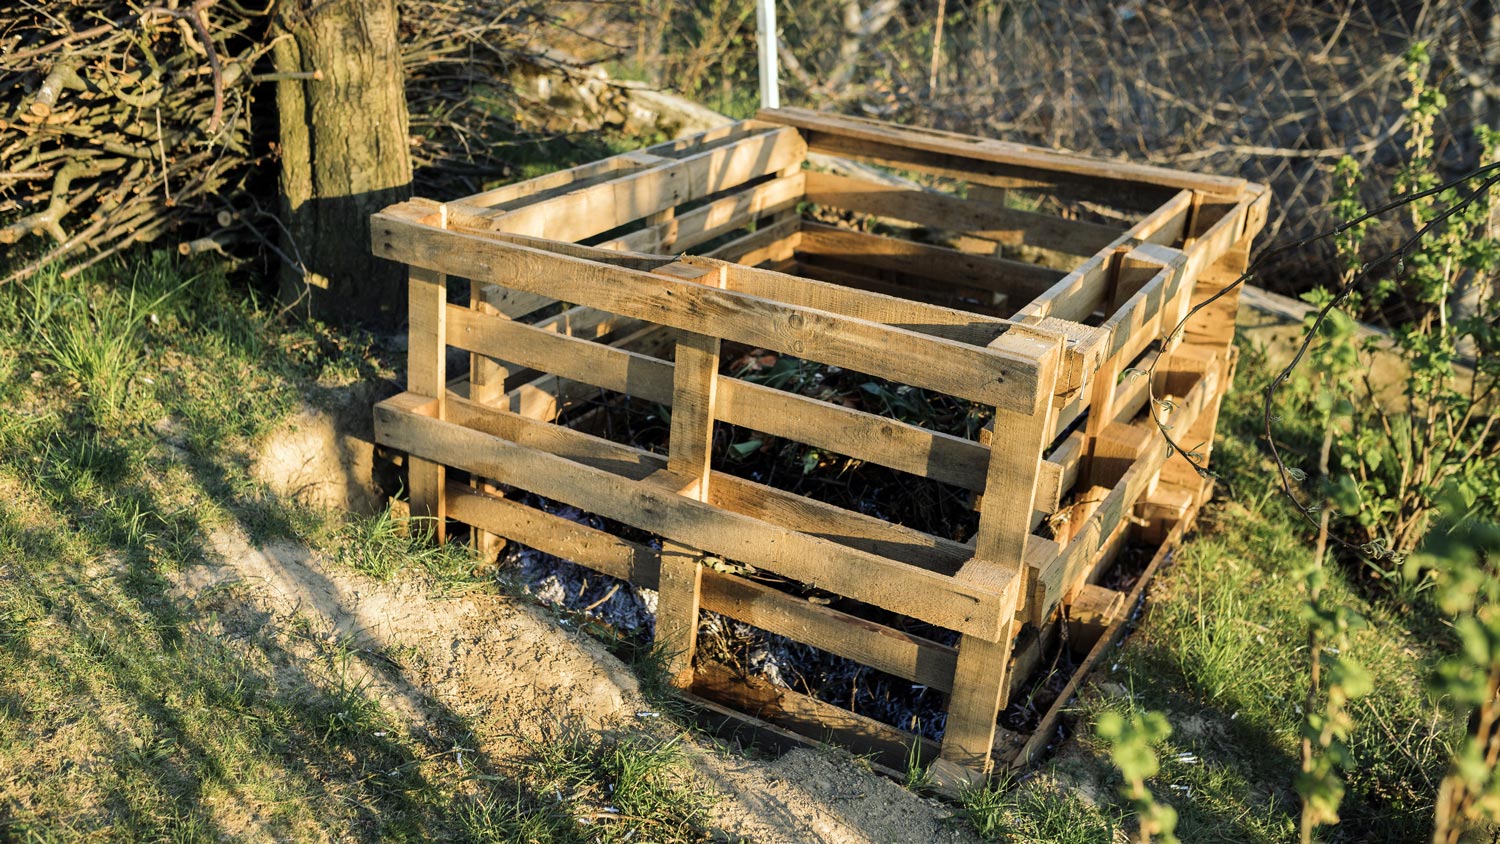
{"type": "Point", "coordinates": [1275, 92]}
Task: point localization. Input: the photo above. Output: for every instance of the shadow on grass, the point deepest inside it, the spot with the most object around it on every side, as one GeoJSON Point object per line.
{"type": "Point", "coordinates": [125, 711]}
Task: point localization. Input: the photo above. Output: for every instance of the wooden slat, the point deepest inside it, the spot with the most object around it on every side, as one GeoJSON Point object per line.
{"type": "Point", "coordinates": [876, 645]}
{"type": "Point", "coordinates": [892, 651]}
{"type": "Point", "coordinates": [987, 220]}
{"type": "Point", "coordinates": [610, 204]}
{"type": "Point", "coordinates": [811, 717]}
{"type": "Point", "coordinates": [903, 287]}
{"type": "Point", "coordinates": [980, 682]}
{"type": "Point", "coordinates": [1148, 314]}
{"type": "Point", "coordinates": [959, 325]}
{"type": "Point", "coordinates": [548, 184]}
{"type": "Point", "coordinates": [426, 375]}
{"type": "Point", "coordinates": [748, 498]}
{"type": "Point", "coordinates": [1120, 502]}
{"type": "Point", "coordinates": [943, 266]}
{"type": "Point", "coordinates": [931, 362]}
{"type": "Point", "coordinates": [695, 389]}
{"type": "Point", "coordinates": [946, 601]}
{"type": "Point", "coordinates": [716, 136]}
{"type": "Point", "coordinates": [854, 530]}
{"type": "Point", "coordinates": [864, 436]}
{"type": "Point", "coordinates": [1026, 166]}
{"type": "Point", "coordinates": [951, 323]}
{"type": "Point", "coordinates": [1083, 290]}
{"type": "Point", "coordinates": [880, 647]}
{"type": "Point", "coordinates": [595, 549]}
{"type": "Point", "coordinates": [689, 229]}
{"type": "Point", "coordinates": [776, 242]}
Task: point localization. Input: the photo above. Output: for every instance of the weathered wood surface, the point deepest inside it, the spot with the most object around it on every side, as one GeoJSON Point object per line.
{"type": "Point", "coordinates": [1069, 446]}
{"type": "Point", "coordinates": [982, 375]}
{"type": "Point", "coordinates": [943, 600]}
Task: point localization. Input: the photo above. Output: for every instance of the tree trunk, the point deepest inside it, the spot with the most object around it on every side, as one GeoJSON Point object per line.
{"type": "Point", "coordinates": [344, 155]}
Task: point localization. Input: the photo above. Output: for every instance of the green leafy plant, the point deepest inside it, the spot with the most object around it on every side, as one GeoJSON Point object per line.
{"type": "Point", "coordinates": [1464, 548]}
{"type": "Point", "coordinates": [1326, 726]}
{"type": "Point", "coordinates": [1400, 448]}
{"type": "Point", "coordinates": [1132, 748]}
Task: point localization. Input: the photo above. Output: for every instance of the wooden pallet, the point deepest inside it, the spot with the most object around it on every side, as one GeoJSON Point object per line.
{"type": "Point", "coordinates": [1019, 279]}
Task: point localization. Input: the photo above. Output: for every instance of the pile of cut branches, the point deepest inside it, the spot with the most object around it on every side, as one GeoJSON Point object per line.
{"type": "Point", "coordinates": [122, 122]}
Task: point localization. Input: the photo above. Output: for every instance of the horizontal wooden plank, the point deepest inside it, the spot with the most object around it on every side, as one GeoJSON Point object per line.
{"type": "Point", "coordinates": [1017, 279]}
{"type": "Point", "coordinates": [548, 184]}
{"type": "Point", "coordinates": [797, 512]}
{"type": "Point", "coordinates": [993, 377]}
{"type": "Point", "coordinates": [959, 325]}
{"type": "Point", "coordinates": [1030, 166]}
{"type": "Point", "coordinates": [936, 320]}
{"type": "Point", "coordinates": [986, 220]}
{"type": "Point", "coordinates": [900, 587]}
{"type": "Point", "coordinates": [864, 436]}
{"type": "Point", "coordinates": [551, 534]}
{"type": "Point", "coordinates": [716, 136]}
{"type": "Point", "coordinates": [546, 396]}
{"type": "Point", "coordinates": [610, 204]}
{"type": "Point", "coordinates": [513, 303]}
{"type": "Point", "coordinates": [876, 645]}
{"type": "Point", "coordinates": [809, 716]}
{"type": "Point", "coordinates": [691, 228]}
{"type": "Point", "coordinates": [774, 243]}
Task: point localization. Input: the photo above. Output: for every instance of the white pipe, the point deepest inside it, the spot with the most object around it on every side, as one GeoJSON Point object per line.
{"type": "Point", "coordinates": [765, 29]}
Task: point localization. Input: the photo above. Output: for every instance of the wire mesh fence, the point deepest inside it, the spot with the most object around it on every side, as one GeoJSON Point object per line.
{"type": "Point", "coordinates": [1273, 92]}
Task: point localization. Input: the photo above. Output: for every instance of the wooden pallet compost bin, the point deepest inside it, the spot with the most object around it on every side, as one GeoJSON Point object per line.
{"type": "Point", "coordinates": [1027, 282]}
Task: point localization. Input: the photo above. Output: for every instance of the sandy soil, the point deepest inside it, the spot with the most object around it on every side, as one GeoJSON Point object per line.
{"type": "Point", "coordinates": [509, 669]}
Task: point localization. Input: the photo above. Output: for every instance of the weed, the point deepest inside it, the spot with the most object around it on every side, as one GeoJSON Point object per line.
{"type": "Point", "coordinates": [1465, 549]}
{"type": "Point", "coordinates": [915, 776]}
{"type": "Point", "coordinates": [385, 543]}
{"type": "Point", "coordinates": [1131, 747]}
{"type": "Point", "coordinates": [1035, 814]}
{"type": "Point", "coordinates": [626, 786]}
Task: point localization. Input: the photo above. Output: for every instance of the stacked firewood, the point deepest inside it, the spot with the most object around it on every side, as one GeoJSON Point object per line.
{"type": "Point", "coordinates": [123, 123]}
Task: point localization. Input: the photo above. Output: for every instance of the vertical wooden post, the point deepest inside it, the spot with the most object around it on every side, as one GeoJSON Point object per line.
{"type": "Point", "coordinates": [980, 679]}
{"type": "Point", "coordinates": [427, 375]}
{"type": "Point", "coordinates": [689, 450]}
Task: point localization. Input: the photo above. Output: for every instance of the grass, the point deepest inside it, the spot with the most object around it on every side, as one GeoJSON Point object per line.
{"type": "Point", "coordinates": [1042, 813]}
{"type": "Point", "coordinates": [135, 396]}
{"type": "Point", "coordinates": [138, 394]}
{"type": "Point", "coordinates": [1222, 652]}
{"type": "Point", "coordinates": [386, 543]}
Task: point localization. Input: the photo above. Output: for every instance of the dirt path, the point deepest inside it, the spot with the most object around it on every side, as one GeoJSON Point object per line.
{"type": "Point", "coordinates": [508, 669]}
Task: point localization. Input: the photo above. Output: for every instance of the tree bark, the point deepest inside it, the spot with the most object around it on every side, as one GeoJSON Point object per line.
{"type": "Point", "coordinates": [344, 155]}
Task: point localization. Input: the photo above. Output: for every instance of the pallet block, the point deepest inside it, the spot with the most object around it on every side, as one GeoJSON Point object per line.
{"type": "Point", "coordinates": [628, 276]}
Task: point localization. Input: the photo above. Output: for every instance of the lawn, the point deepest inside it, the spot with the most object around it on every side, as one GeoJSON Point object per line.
{"type": "Point", "coordinates": [1221, 649]}
{"type": "Point", "coordinates": [135, 397]}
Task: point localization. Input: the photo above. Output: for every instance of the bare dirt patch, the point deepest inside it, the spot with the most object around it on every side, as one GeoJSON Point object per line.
{"type": "Point", "coordinates": [513, 673]}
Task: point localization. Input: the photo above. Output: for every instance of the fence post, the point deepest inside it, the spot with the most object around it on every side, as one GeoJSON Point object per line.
{"type": "Point", "coordinates": [427, 375]}
{"type": "Point", "coordinates": [695, 382]}
{"type": "Point", "coordinates": [981, 676]}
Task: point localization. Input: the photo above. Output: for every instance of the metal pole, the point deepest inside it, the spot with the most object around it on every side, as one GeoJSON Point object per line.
{"type": "Point", "coordinates": [765, 28]}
